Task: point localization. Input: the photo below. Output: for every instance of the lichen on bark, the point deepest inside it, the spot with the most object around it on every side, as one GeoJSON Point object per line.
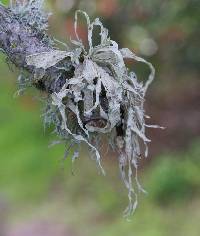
{"type": "Point", "coordinates": [90, 91]}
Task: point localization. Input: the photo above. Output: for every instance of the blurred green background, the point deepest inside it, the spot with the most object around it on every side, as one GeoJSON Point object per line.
{"type": "Point", "coordinates": [39, 195]}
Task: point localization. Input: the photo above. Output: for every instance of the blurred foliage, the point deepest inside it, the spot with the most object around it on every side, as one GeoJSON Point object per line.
{"type": "Point", "coordinates": [175, 177]}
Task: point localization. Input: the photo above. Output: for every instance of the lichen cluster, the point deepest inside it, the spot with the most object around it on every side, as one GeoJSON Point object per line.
{"type": "Point", "coordinates": [31, 11]}
{"type": "Point", "coordinates": [99, 95]}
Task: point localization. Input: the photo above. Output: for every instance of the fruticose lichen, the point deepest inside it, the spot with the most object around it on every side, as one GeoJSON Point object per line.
{"type": "Point", "coordinates": [99, 95]}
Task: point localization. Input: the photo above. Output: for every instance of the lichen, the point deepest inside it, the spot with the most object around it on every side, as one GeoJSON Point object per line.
{"type": "Point", "coordinates": [102, 96]}
{"type": "Point", "coordinates": [31, 12]}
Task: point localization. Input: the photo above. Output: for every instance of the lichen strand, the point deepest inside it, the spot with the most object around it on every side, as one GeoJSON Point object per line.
{"type": "Point", "coordinates": [99, 96]}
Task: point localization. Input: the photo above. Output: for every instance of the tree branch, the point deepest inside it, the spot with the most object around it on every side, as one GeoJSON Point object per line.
{"type": "Point", "coordinates": [18, 40]}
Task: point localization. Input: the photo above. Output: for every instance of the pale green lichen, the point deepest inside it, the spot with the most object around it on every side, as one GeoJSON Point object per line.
{"type": "Point", "coordinates": [101, 97]}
